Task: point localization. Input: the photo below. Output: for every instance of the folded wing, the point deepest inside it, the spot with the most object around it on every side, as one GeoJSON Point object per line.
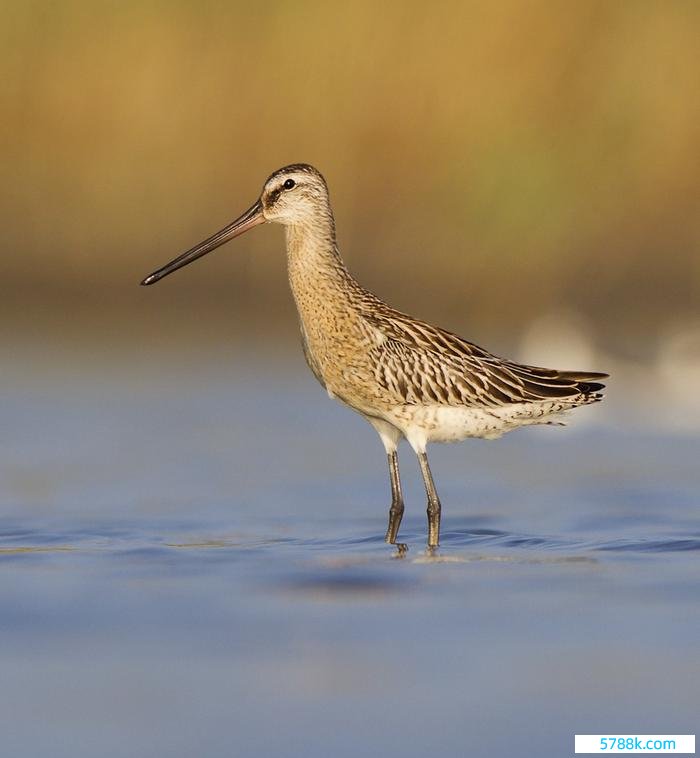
{"type": "Point", "coordinates": [420, 363]}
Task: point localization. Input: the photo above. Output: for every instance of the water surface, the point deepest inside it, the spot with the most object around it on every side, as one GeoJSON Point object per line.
{"type": "Point", "coordinates": [191, 563]}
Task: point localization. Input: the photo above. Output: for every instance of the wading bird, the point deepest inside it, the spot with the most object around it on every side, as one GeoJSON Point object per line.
{"type": "Point", "coordinates": [409, 379]}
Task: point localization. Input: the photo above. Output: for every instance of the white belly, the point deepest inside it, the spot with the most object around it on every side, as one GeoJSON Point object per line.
{"type": "Point", "coordinates": [440, 423]}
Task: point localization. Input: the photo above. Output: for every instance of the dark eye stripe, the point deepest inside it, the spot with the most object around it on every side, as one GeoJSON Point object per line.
{"type": "Point", "coordinates": [273, 196]}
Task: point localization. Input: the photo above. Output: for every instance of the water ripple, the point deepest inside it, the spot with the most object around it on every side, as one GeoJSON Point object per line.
{"type": "Point", "coordinates": [164, 538]}
{"type": "Point", "coordinates": [652, 545]}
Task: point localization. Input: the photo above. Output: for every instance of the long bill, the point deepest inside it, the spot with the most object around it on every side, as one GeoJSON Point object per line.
{"type": "Point", "coordinates": [252, 217]}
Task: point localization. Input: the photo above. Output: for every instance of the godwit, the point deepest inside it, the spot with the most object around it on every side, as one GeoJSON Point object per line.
{"type": "Point", "coordinates": [409, 379]}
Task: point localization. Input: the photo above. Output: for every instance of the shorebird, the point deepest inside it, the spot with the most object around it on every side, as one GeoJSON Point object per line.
{"type": "Point", "coordinates": [409, 379]}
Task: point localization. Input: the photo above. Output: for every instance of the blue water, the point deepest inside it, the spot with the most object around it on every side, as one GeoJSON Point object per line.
{"type": "Point", "coordinates": [191, 563]}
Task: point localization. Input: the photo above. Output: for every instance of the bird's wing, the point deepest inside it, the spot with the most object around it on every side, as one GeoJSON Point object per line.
{"type": "Point", "coordinates": [421, 363]}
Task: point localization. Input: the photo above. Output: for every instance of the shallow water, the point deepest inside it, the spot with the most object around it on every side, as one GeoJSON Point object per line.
{"type": "Point", "coordinates": [191, 563]}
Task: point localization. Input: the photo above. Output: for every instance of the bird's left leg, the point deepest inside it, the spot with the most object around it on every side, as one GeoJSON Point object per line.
{"type": "Point", "coordinates": [434, 507]}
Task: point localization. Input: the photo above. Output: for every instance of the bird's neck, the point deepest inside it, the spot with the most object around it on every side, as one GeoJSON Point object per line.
{"type": "Point", "coordinates": [313, 259]}
{"type": "Point", "coordinates": [323, 289]}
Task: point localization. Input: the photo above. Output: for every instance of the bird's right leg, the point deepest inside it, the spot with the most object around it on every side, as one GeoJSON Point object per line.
{"type": "Point", "coordinates": [396, 509]}
{"type": "Point", "coordinates": [390, 437]}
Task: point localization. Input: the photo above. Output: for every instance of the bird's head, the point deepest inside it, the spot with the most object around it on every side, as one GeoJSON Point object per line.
{"type": "Point", "coordinates": [295, 195]}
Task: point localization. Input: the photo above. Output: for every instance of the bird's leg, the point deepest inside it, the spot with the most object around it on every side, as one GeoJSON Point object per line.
{"type": "Point", "coordinates": [433, 502]}
{"type": "Point", "coordinates": [390, 437]}
{"type": "Point", "coordinates": [396, 510]}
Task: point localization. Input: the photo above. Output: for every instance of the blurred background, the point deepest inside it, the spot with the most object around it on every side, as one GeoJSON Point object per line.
{"type": "Point", "coordinates": [191, 533]}
{"type": "Point", "coordinates": [524, 174]}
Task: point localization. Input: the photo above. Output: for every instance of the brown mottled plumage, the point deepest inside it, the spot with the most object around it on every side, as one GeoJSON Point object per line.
{"type": "Point", "coordinates": [409, 379]}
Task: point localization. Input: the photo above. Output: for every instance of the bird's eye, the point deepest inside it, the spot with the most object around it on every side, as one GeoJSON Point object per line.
{"type": "Point", "coordinates": [289, 184]}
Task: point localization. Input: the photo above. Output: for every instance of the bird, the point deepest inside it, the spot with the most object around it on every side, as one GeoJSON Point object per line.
{"type": "Point", "coordinates": [409, 379]}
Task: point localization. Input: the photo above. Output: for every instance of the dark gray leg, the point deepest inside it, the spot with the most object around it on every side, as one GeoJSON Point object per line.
{"type": "Point", "coordinates": [396, 510]}
{"type": "Point", "coordinates": [433, 502]}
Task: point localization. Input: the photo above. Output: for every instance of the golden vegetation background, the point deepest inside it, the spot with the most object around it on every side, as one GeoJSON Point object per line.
{"type": "Point", "coordinates": [489, 163]}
